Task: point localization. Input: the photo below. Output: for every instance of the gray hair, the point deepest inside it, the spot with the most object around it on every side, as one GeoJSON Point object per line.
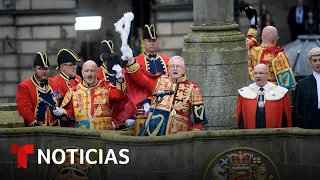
{"type": "Point", "coordinates": [177, 57]}
{"type": "Point", "coordinates": [314, 52]}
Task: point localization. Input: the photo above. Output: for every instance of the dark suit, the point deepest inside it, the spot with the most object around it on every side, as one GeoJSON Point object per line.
{"type": "Point", "coordinates": [306, 103]}
{"type": "Point", "coordinates": [295, 28]}
{"type": "Point", "coordinates": [311, 28]}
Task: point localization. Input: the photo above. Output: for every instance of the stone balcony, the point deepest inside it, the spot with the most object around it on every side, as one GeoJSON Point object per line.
{"type": "Point", "coordinates": [268, 153]}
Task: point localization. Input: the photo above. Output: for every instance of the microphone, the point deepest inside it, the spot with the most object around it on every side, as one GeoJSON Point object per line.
{"type": "Point", "coordinates": [163, 93]}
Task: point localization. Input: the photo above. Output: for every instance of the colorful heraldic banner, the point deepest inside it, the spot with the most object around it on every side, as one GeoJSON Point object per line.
{"type": "Point", "coordinates": [283, 72]}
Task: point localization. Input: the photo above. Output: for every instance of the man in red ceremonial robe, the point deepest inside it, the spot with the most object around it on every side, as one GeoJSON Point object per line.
{"type": "Point", "coordinates": [67, 63]}
{"type": "Point", "coordinates": [31, 91]}
{"type": "Point", "coordinates": [263, 104]}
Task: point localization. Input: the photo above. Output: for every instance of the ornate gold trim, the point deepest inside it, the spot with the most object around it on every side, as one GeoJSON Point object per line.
{"type": "Point", "coordinates": [133, 67]}
{"type": "Point", "coordinates": [252, 32]}
{"type": "Point", "coordinates": [109, 44]}
{"type": "Point", "coordinates": [44, 58]}
{"type": "Point", "coordinates": [121, 86]}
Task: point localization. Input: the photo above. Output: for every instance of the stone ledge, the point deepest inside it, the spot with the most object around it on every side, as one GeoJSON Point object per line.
{"type": "Point", "coordinates": [218, 134]}
{"type": "Point", "coordinates": [10, 119]}
{"type": "Point", "coordinates": [214, 34]}
{"type": "Point", "coordinates": [122, 136]}
{"type": "Point", "coordinates": [8, 107]}
{"type": "Point", "coordinates": [61, 131]}
{"type": "Point", "coordinates": [219, 27]}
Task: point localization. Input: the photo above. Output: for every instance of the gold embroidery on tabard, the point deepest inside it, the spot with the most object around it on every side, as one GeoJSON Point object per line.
{"type": "Point", "coordinates": [196, 108]}
{"type": "Point", "coordinates": [157, 129]}
{"type": "Point", "coordinates": [183, 96]}
{"type": "Point", "coordinates": [177, 123]}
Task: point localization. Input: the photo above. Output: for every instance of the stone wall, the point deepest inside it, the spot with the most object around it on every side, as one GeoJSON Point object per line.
{"type": "Point", "coordinates": [30, 26]}
{"type": "Point", "coordinates": [173, 20]}
{"type": "Point", "coordinates": [268, 154]}
{"type": "Point", "coordinates": [27, 27]}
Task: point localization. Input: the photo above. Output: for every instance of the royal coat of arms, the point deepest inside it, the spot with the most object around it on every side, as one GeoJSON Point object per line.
{"type": "Point", "coordinates": [241, 164]}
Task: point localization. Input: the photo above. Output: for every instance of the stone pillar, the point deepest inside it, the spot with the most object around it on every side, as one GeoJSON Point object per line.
{"type": "Point", "coordinates": [216, 59]}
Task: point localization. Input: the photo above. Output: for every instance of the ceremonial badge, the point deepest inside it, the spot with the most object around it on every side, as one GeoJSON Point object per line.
{"type": "Point", "coordinates": [56, 95]}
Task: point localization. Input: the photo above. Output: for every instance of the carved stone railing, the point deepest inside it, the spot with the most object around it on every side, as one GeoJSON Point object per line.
{"type": "Point", "coordinates": [266, 153]}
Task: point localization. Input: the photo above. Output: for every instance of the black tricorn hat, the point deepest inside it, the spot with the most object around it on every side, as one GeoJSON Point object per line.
{"type": "Point", "coordinates": [106, 47]}
{"type": "Point", "coordinates": [41, 60]}
{"type": "Point", "coordinates": [66, 55]}
{"type": "Point", "coordinates": [113, 59]}
{"type": "Point", "coordinates": [149, 32]}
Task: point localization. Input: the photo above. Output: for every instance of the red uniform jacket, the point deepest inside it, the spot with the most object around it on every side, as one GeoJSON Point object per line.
{"type": "Point", "coordinates": [29, 106]}
{"type": "Point", "coordinates": [63, 79]}
{"type": "Point", "coordinates": [122, 109]}
{"type": "Point", "coordinates": [277, 107]}
{"type": "Point", "coordinates": [152, 68]}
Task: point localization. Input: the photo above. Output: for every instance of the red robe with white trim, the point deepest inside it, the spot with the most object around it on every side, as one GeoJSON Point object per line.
{"type": "Point", "coordinates": [277, 107]}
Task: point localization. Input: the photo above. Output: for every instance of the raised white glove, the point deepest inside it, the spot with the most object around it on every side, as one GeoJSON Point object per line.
{"type": "Point", "coordinates": [58, 111]}
{"type": "Point", "coordinates": [113, 125]}
{"type": "Point", "coordinates": [118, 70]}
{"type": "Point", "coordinates": [253, 20]}
{"type": "Point", "coordinates": [129, 122]}
{"type": "Point", "coordinates": [146, 107]}
{"type": "Point", "coordinates": [126, 53]}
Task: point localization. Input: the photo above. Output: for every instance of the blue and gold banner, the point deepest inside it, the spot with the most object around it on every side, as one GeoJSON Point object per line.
{"type": "Point", "coordinates": [156, 123]}
{"type": "Point", "coordinates": [283, 71]}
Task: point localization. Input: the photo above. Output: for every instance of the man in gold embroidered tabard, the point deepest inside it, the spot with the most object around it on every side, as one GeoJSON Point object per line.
{"type": "Point", "coordinates": [181, 106]}
{"type": "Point", "coordinates": [89, 101]}
{"type": "Point", "coordinates": [267, 52]}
